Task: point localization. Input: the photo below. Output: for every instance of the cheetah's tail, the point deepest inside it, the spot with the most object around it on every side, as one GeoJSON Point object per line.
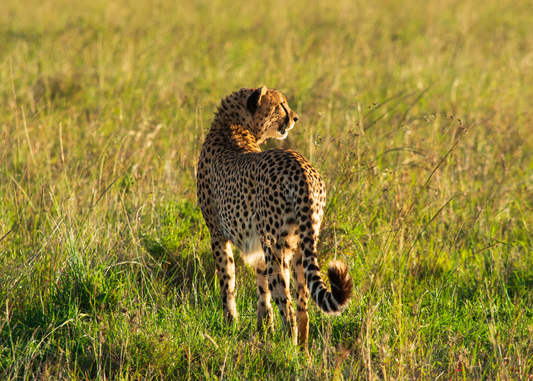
{"type": "Point", "coordinates": [341, 286]}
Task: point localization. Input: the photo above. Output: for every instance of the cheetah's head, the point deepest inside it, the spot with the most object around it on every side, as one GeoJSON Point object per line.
{"type": "Point", "coordinates": [271, 115]}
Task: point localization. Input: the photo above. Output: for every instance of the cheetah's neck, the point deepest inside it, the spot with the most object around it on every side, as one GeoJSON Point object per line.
{"type": "Point", "coordinates": [237, 138]}
{"type": "Point", "coordinates": [233, 123]}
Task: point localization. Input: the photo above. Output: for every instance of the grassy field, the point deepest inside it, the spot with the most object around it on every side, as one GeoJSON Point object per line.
{"type": "Point", "coordinates": [418, 114]}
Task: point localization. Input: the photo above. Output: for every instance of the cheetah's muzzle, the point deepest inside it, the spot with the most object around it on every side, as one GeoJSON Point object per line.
{"type": "Point", "coordinates": [283, 128]}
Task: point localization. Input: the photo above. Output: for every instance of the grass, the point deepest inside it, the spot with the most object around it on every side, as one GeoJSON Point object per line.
{"type": "Point", "coordinates": [418, 115]}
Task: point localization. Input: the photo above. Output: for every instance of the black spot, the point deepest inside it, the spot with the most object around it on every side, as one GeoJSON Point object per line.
{"type": "Point", "coordinates": [314, 288]}
{"type": "Point", "coordinates": [320, 297]}
{"type": "Point", "coordinates": [312, 267]}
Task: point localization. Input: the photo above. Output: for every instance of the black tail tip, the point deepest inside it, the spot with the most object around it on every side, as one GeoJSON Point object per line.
{"type": "Point", "coordinates": [341, 282]}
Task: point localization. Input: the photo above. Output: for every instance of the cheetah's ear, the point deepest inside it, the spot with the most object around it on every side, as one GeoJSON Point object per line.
{"type": "Point", "coordinates": [254, 101]}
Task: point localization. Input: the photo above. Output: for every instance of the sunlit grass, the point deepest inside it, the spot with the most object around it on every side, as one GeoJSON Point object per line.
{"type": "Point", "coordinates": [418, 115]}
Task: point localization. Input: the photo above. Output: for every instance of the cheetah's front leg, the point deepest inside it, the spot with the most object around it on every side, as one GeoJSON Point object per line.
{"type": "Point", "coordinates": [226, 276]}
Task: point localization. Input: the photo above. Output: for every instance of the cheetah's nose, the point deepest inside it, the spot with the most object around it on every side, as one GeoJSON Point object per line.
{"type": "Point", "coordinates": [295, 118]}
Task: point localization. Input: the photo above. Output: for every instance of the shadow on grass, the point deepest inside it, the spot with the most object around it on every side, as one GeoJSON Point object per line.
{"type": "Point", "coordinates": [39, 333]}
{"type": "Point", "coordinates": [175, 245]}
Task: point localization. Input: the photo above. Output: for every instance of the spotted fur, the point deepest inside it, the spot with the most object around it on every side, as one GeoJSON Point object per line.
{"type": "Point", "coordinates": [270, 205]}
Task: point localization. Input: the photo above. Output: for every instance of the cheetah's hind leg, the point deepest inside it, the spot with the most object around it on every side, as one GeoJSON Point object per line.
{"type": "Point", "coordinates": [277, 265]}
{"type": "Point", "coordinates": [264, 307]}
{"type": "Point", "coordinates": [302, 298]}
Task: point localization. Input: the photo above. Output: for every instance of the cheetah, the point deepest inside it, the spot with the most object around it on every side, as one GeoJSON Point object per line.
{"type": "Point", "coordinates": [269, 204]}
